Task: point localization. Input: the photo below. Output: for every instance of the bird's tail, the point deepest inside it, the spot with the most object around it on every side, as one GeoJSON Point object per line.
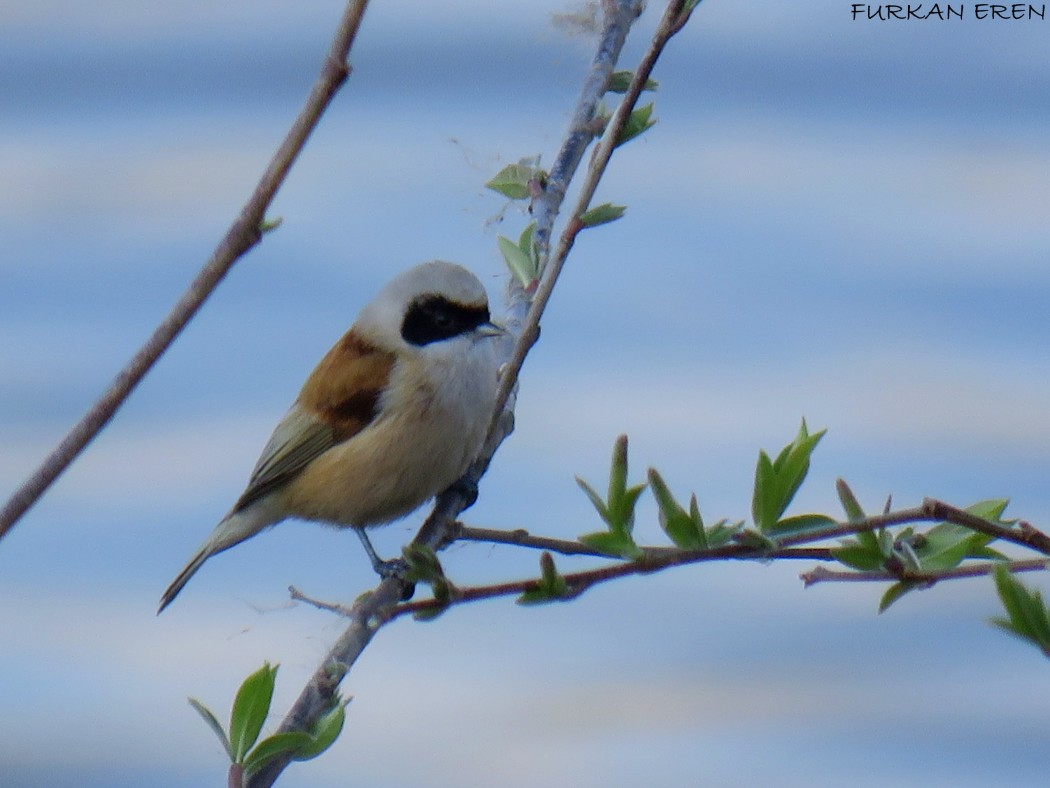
{"type": "Point", "coordinates": [234, 529]}
{"type": "Point", "coordinates": [184, 577]}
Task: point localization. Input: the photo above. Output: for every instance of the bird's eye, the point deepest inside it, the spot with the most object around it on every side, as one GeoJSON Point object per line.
{"type": "Point", "coordinates": [435, 318]}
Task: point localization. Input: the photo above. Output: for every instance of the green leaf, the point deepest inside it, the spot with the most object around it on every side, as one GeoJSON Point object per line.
{"type": "Point", "coordinates": [272, 746]}
{"type": "Point", "coordinates": [214, 724]}
{"type": "Point", "coordinates": [1011, 594]}
{"type": "Point", "coordinates": [698, 521]}
{"type": "Point", "coordinates": [602, 214]}
{"type": "Point", "coordinates": [757, 540]}
{"type": "Point", "coordinates": [800, 523]}
{"type": "Point", "coordinates": [250, 708]}
{"type": "Point", "coordinates": [1038, 616]}
{"type": "Point", "coordinates": [443, 591]}
{"type": "Point", "coordinates": [423, 564]}
{"type": "Point", "coordinates": [614, 543]}
{"type": "Point", "coordinates": [525, 241]}
{"type": "Point", "coordinates": [269, 225]}
{"type": "Point", "coordinates": [680, 525]}
{"type": "Point", "coordinates": [639, 122]}
{"type": "Point", "coordinates": [1007, 626]}
{"type": "Point", "coordinates": [429, 613]}
{"type": "Point", "coordinates": [893, 593]}
{"type": "Point", "coordinates": [885, 541]}
{"type": "Point", "coordinates": [621, 80]}
{"type": "Point", "coordinates": [324, 732]}
{"type": "Point", "coordinates": [513, 180]}
{"type": "Point", "coordinates": [1029, 617]}
{"type": "Point", "coordinates": [991, 510]}
{"type": "Point", "coordinates": [854, 514]}
{"type": "Point", "coordinates": [624, 513]}
{"type": "Point", "coordinates": [551, 587]}
{"type": "Point", "coordinates": [870, 539]}
{"type": "Point", "coordinates": [857, 556]}
{"type": "Point", "coordinates": [618, 473]}
{"type": "Point", "coordinates": [987, 554]}
{"type": "Point", "coordinates": [520, 263]}
{"type": "Point", "coordinates": [618, 510]}
{"type": "Point", "coordinates": [777, 481]}
{"type": "Point", "coordinates": [764, 500]}
{"type": "Point", "coordinates": [792, 464]}
{"type": "Point", "coordinates": [944, 546]}
{"type": "Point", "coordinates": [595, 499]}
{"type": "Point", "coordinates": [723, 532]}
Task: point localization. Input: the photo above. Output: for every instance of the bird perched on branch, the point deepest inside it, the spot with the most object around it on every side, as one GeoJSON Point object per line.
{"type": "Point", "coordinates": [392, 415]}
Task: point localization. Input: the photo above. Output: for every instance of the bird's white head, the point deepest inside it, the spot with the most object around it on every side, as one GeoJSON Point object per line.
{"type": "Point", "coordinates": [427, 305]}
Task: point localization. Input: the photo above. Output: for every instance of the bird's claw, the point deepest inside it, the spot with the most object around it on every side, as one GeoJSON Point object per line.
{"type": "Point", "coordinates": [468, 488]}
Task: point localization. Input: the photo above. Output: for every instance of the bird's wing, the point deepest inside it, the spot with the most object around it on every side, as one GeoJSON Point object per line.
{"type": "Point", "coordinates": [339, 399]}
{"type": "Point", "coordinates": [296, 441]}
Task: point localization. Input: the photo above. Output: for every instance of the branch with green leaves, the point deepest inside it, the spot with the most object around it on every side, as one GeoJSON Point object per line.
{"type": "Point", "coordinates": [251, 706]}
{"type": "Point", "coordinates": [891, 546]}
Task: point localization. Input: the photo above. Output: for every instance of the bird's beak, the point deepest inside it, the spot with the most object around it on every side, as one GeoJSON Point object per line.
{"type": "Point", "coordinates": [490, 329]}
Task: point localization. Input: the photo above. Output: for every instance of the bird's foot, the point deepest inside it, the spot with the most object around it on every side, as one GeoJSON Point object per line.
{"type": "Point", "coordinates": [468, 488]}
{"type": "Point", "coordinates": [394, 568]}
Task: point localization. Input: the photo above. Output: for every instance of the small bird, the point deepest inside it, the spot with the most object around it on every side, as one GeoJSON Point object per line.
{"type": "Point", "coordinates": [391, 416]}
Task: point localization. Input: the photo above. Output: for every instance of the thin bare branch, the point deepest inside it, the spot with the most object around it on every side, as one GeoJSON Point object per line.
{"type": "Point", "coordinates": [519, 537]}
{"type": "Point", "coordinates": [242, 235]}
{"type": "Point", "coordinates": [522, 538]}
{"type": "Point", "coordinates": [330, 607]}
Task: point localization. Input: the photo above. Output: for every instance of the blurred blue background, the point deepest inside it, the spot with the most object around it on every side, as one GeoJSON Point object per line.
{"type": "Point", "coordinates": [843, 220]}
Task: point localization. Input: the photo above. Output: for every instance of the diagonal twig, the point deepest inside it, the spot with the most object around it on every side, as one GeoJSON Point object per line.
{"type": "Point", "coordinates": [243, 234]}
{"type": "Point", "coordinates": [821, 574]}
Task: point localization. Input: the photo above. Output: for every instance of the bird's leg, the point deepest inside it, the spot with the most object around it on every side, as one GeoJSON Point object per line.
{"type": "Point", "coordinates": [392, 568]}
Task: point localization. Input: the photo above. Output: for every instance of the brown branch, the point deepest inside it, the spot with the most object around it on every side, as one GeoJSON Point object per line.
{"type": "Point", "coordinates": [519, 537]}
{"type": "Point", "coordinates": [821, 574]}
{"type": "Point", "coordinates": [931, 510]}
{"type": "Point", "coordinates": [1024, 535]}
{"type": "Point", "coordinates": [330, 607]}
{"type": "Point", "coordinates": [578, 582]}
{"type": "Point", "coordinates": [916, 514]}
{"type": "Point", "coordinates": [243, 234]}
{"type": "Point", "coordinates": [654, 559]}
